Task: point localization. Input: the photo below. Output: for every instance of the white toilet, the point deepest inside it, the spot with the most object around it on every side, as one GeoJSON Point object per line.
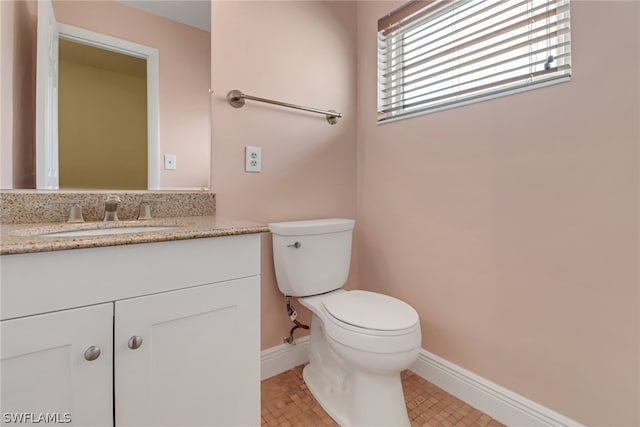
{"type": "Point", "coordinates": [360, 341]}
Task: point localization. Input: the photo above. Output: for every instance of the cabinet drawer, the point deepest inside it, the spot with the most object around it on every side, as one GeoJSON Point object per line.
{"type": "Point", "coordinates": [48, 281]}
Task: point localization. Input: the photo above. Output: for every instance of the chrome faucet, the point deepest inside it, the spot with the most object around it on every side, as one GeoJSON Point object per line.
{"type": "Point", "coordinates": [111, 208]}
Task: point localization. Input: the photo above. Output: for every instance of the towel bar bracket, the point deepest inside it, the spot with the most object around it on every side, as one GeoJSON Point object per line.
{"type": "Point", "coordinates": [333, 119]}
{"type": "Point", "coordinates": [235, 98]}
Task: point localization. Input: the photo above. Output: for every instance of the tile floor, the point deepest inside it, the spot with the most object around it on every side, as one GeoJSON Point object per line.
{"type": "Point", "coordinates": [286, 402]}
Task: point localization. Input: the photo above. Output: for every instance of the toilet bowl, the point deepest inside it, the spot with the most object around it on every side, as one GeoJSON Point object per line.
{"type": "Point", "coordinates": [354, 369]}
{"type": "Point", "coordinates": [360, 341]}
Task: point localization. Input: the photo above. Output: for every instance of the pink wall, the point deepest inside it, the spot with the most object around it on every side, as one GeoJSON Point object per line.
{"type": "Point", "coordinates": [184, 79]}
{"type": "Point", "coordinates": [6, 94]}
{"type": "Point", "coordinates": [512, 225]}
{"type": "Point", "coordinates": [302, 53]}
{"type": "Point", "coordinates": [17, 100]}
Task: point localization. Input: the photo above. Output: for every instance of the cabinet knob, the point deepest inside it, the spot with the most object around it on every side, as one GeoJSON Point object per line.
{"type": "Point", "coordinates": [134, 342]}
{"type": "Point", "coordinates": [92, 353]}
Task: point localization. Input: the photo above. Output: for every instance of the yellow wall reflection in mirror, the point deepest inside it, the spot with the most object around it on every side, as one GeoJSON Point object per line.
{"type": "Point", "coordinates": [102, 144]}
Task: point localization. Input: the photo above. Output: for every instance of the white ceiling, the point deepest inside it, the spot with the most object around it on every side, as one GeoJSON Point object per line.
{"type": "Point", "coordinates": [195, 13]}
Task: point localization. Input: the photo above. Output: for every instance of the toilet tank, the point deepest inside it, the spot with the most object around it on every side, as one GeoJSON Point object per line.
{"type": "Point", "coordinates": [311, 257]}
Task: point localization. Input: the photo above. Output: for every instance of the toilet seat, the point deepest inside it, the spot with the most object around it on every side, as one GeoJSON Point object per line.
{"type": "Point", "coordinates": [406, 337]}
{"type": "Point", "coordinates": [371, 311]}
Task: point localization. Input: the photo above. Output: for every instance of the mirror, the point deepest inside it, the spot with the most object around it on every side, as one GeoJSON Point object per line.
{"type": "Point", "coordinates": [183, 84]}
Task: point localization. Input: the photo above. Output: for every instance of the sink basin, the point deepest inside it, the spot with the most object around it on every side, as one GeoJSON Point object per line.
{"type": "Point", "coordinates": [108, 231]}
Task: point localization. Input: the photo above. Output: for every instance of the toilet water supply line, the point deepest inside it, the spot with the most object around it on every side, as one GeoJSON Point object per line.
{"type": "Point", "coordinates": [292, 313]}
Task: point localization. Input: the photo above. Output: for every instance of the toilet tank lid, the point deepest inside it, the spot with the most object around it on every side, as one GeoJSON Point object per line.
{"type": "Point", "coordinates": [313, 226]}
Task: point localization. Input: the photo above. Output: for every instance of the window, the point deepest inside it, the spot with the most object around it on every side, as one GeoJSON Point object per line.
{"type": "Point", "coordinates": [436, 54]}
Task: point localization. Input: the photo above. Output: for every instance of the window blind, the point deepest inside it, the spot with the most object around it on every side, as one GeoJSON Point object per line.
{"type": "Point", "coordinates": [434, 54]}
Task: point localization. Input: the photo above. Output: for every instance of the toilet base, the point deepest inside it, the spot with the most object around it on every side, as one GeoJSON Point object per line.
{"type": "Point", "coordinates": [332, 400]}
{"type": "Point", "coordinates": [364, 401]}
{"type": "Point", "coordinates": [350, 396]}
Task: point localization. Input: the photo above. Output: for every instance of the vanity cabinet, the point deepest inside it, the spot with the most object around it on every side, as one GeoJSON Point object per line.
{"type": "Point", "coordinates": [176, 323]}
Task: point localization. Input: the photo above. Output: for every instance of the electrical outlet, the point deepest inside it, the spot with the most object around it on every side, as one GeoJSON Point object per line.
{"type": "Point", "coordinates": [170, 161]}
{"type": "Point", "coordinates": [252, 159]}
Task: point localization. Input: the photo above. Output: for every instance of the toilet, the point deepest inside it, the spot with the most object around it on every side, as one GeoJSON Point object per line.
{"type": "Point", "coordinates": [360, 341]}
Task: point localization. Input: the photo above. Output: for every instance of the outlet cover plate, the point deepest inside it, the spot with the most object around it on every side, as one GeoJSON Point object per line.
{"type": "Point", "coordinates": [252, 159]}
{"type": "Point", "coordinates": [170, 161]}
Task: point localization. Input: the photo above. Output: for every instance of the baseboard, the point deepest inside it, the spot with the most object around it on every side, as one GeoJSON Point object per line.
{"type": "Point", "coordinates": [504, 405]}
{"type": "Point", "coordinates": [283, 357]}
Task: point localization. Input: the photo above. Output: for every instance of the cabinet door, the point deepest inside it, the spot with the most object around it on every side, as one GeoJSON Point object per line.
{"type": "Point", "coordinates": [198, 362]}
{"type": "Point", "coordinates": [44, 372]}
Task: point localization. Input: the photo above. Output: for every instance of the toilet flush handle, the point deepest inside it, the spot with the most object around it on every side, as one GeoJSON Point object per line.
{"type": "Point", "coordinates": [295, 245]}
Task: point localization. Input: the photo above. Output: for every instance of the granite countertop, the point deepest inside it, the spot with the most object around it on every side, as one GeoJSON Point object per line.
{"type": "Point", "coordinates": [28, 238]}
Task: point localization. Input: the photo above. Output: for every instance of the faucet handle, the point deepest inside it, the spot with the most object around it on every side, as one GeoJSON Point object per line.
{"type": "Point", "coordinates": [75, 214]}
{"type": "Point", "coordinates": [112, 198]}
{"type": "Point", "coordinates": [145, 208]}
